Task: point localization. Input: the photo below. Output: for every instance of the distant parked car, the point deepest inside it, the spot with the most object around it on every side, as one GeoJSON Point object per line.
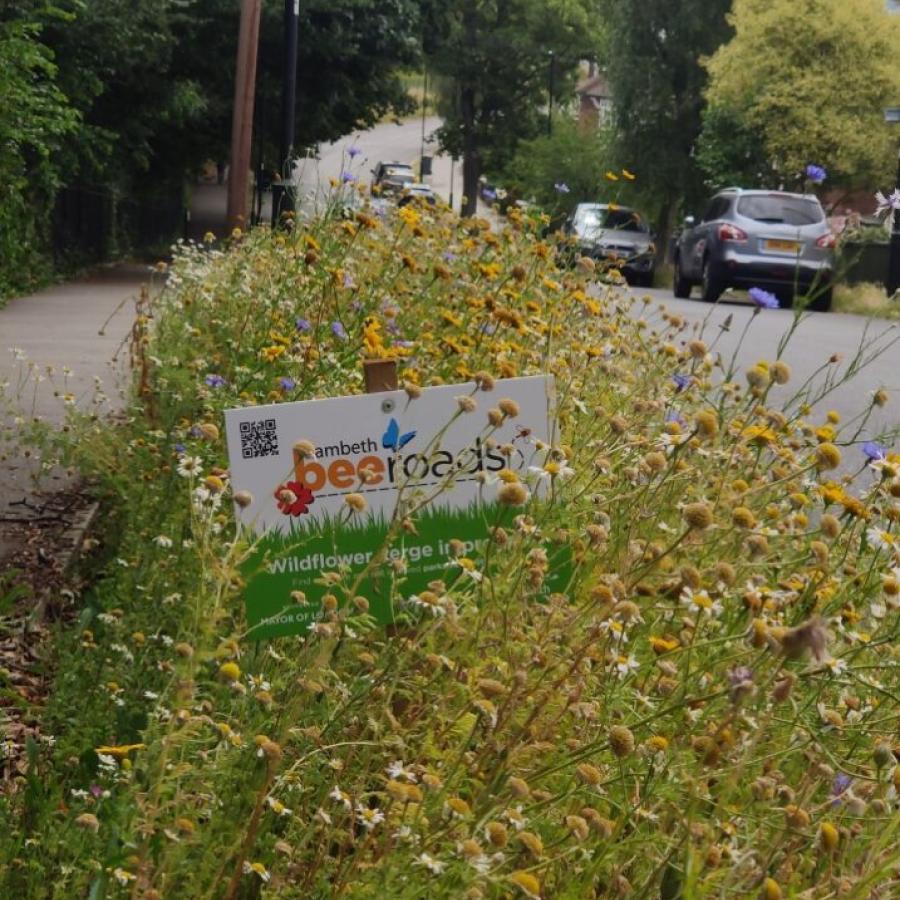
{"type": "Point", "coordinates": [773, 240]}
{"type": "Point", "coordinates": [417, 192]}
{"type": "Point", "coordinates": [392, 177]}
{"type": "Point", "coordinates": [616, 234]}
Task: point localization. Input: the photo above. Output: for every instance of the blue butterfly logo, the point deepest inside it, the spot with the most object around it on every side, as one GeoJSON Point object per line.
{"type": "Point", "coordinates": [393, 440]}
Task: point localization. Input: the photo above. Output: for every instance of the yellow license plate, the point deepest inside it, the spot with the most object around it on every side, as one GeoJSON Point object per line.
{"type": "Point", "coordinates": [782, 246]}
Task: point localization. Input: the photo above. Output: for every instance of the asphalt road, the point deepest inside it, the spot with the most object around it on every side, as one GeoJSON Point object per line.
{"type": "Point", "coordinates": [387, 142]}
{"type": "Point", "coordinates": [818, 337]}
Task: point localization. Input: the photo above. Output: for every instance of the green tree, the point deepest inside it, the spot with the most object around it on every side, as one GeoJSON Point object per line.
{"type": "Point", "coordinates": [653, 61]}
{"type": "Point", "coordinates": [808, 78]}
{"type": "Point", "coordinates": [497, 59]}
{"type": "Point", "coordinates": [558, 171]}
{"type": "Point", "coordinates": [350, 55]}
{"type": "Point", "coordinates": [34, 120]}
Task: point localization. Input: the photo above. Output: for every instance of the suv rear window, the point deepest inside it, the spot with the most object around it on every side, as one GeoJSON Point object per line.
{"type": "Point", "coordinates": [597, 218]}
{"type": "Point", "coordinates": [781, 210]}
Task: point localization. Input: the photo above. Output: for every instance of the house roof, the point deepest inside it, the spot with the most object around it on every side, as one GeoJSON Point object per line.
{"type": "Point", "coordinates": [596, 86]}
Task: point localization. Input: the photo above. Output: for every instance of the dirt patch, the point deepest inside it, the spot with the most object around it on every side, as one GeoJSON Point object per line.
{"type": "Point", "coordinates": [41, 537]}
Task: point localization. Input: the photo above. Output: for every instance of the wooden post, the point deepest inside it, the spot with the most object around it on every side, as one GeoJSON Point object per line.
{"type": "Point", "coordinates": [380, 375]}
{"type": "Point", "coordinates": [242, 114]}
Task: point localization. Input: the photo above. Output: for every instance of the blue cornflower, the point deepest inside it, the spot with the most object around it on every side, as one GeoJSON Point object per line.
{"type": "Point", "coordinates": [816, 174]}
{"type": "Point", "coordinates": [338, 330]}
{"type": "Point", "coordinates": [215, 381]}
{"type": "Point", "coordinates": [763, 299]}
{"type": "Point", "coordinates": [287, 384]}
{"type": "Point", "coordinates": [348, 178]}
{"type": "Point", "coordinates": [447, 256]}
{"type": "Point", "coordinates": [180, 449]}
{"type": "Point", "coordinates": [873, 451]}
{"type": "Point", "coordinates": [682, 382]}
{"type": "Point", "coordinates": [674, 416]}
{"type": "Point", "coordinates": [353, 151]}
{"type": "Point", "coordinates": [303, 325]}
{"type": "Point", "coordinates": [561, 187]}
{"type": "Point", "coordinates": [839, 786]}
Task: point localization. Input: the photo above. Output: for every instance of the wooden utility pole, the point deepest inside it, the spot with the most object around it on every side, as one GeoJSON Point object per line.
{"type": "Point", "coordinates": [242, 117]}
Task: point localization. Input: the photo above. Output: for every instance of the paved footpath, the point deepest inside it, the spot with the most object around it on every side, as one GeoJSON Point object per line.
{"type": "Point", "coordinates": [80, 326]}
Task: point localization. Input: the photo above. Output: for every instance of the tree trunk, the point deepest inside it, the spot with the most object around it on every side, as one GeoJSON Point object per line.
{"type": "Point", "coordinates": [471, 162]}
{"type": "Point", "coordinates": [666, 228]}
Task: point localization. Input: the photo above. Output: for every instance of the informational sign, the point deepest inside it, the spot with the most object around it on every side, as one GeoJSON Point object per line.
{"type": "Point", "coordinates": [329, 484]}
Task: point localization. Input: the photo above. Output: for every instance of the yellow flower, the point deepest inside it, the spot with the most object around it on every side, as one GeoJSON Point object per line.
{"type": "Point", "coordinates": [230, 671]}
{"type": "Point", "coordinates": [527, 884]}
{"type": "Point", "coordinates": [120, 750]}
{"type": "Point", "coordinates": [270, 354]}
{"type": "Point", "coordinates": [611, 176]}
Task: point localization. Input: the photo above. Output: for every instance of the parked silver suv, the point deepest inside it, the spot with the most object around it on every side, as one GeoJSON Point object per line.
{"type": "Point", "coordinates": [768, 239]}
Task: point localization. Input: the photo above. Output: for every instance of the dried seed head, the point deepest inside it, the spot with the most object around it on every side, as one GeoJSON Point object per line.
{"type": "Point", "coordinates": [698, 516]}
{"type": "Point", "coordinates": [305, 449]}
{"type": "Point", "coordinates": [781, 372]}
{"type": "Point", "coordinates": [578, 826]}
{"type": "Point", "coordinates": [356, 502]}
{"type": "Point", "coordinates": [466, 403]}
{"type": "Point", "coordinates": [757, 545]}
{"type": "Point", "coordinates": [830, 526]}
{"type": "Point", "coordinates": [621, 741]}
{"type": "Point", "coordinates": [509, 408]}
{"type": "Point", "coordinates": [532, 843]}
{"type": "Point", "coordinates": [880, 397]}
{"type": "Point", "coordinates": [706, 423]}
{"type": "Point", "coordinates": [515, 494]}
{"type": "Point", "coordinates": [725, 573]}
{"type": "Point", "coordinates": [691, 577]}
{"type": "Point", "coordinates": [743, 517]}
{"type": "Point", "coordinates": [697, 349]}
{"type": "Point", "coordinates": [484, 380]}
{"type": "Point", "coordinates": [413, 391]}
{"type": "Point", "coordinates": [827, 456]}
{"type": "Point", "coordinates": [758, 377]}
{"type": "Point", "coordinates": [589, 774]}
{"type": "Point", "coordinates": [497, 834]}
{"type": "Point", "coordinates": [243, 498]}
{"type": "Point", "coordinates": [88, 821]}
{"type": "Point", "coordinates": [495, 417]}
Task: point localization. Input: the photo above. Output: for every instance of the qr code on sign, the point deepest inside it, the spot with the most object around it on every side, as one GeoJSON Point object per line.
{"type": "Point", "coordinates": [259, 439]}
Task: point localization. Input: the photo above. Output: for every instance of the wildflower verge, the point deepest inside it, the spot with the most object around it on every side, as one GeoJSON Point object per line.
{"type": "Point", "coordinates": [706, 707]}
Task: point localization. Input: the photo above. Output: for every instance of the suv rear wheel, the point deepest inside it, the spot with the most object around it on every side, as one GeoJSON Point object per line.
{"type": "Point", "coordinates": [711, 285]}
{"type": "Point", "coordinates": [681, 286]}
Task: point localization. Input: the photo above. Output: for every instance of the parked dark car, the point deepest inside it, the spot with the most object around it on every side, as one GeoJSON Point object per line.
{"type": "Point", "coordinates": [773, 240]}
{"type": "Point", "coordinates": [615, 234]}
{"type": "Point", "coordinates": [392, 177]}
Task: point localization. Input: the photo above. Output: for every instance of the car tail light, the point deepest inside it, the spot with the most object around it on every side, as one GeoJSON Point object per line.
{"type": "Point", "coordinates": [827, 241]}
{"type": "Point", "coordinates": [728, 232]}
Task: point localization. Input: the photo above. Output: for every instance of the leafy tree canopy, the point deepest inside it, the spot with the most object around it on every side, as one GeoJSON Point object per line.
{"type": "Point", "coordinates": [495, 60]}
{"type": "Point", "coordinates": [653, 61]}
{"type": "Point", "coordinates": [804, 81]}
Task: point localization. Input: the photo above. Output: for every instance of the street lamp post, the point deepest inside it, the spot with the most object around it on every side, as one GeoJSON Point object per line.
{"type": "Point", "coordinates": [893, 280]}
{"type": "Point", "coordinates": [282, 201]}
{"type": "Point", "coordinates": [550, 74]}
{"type": "Point", "coordinates": [892, 116]}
